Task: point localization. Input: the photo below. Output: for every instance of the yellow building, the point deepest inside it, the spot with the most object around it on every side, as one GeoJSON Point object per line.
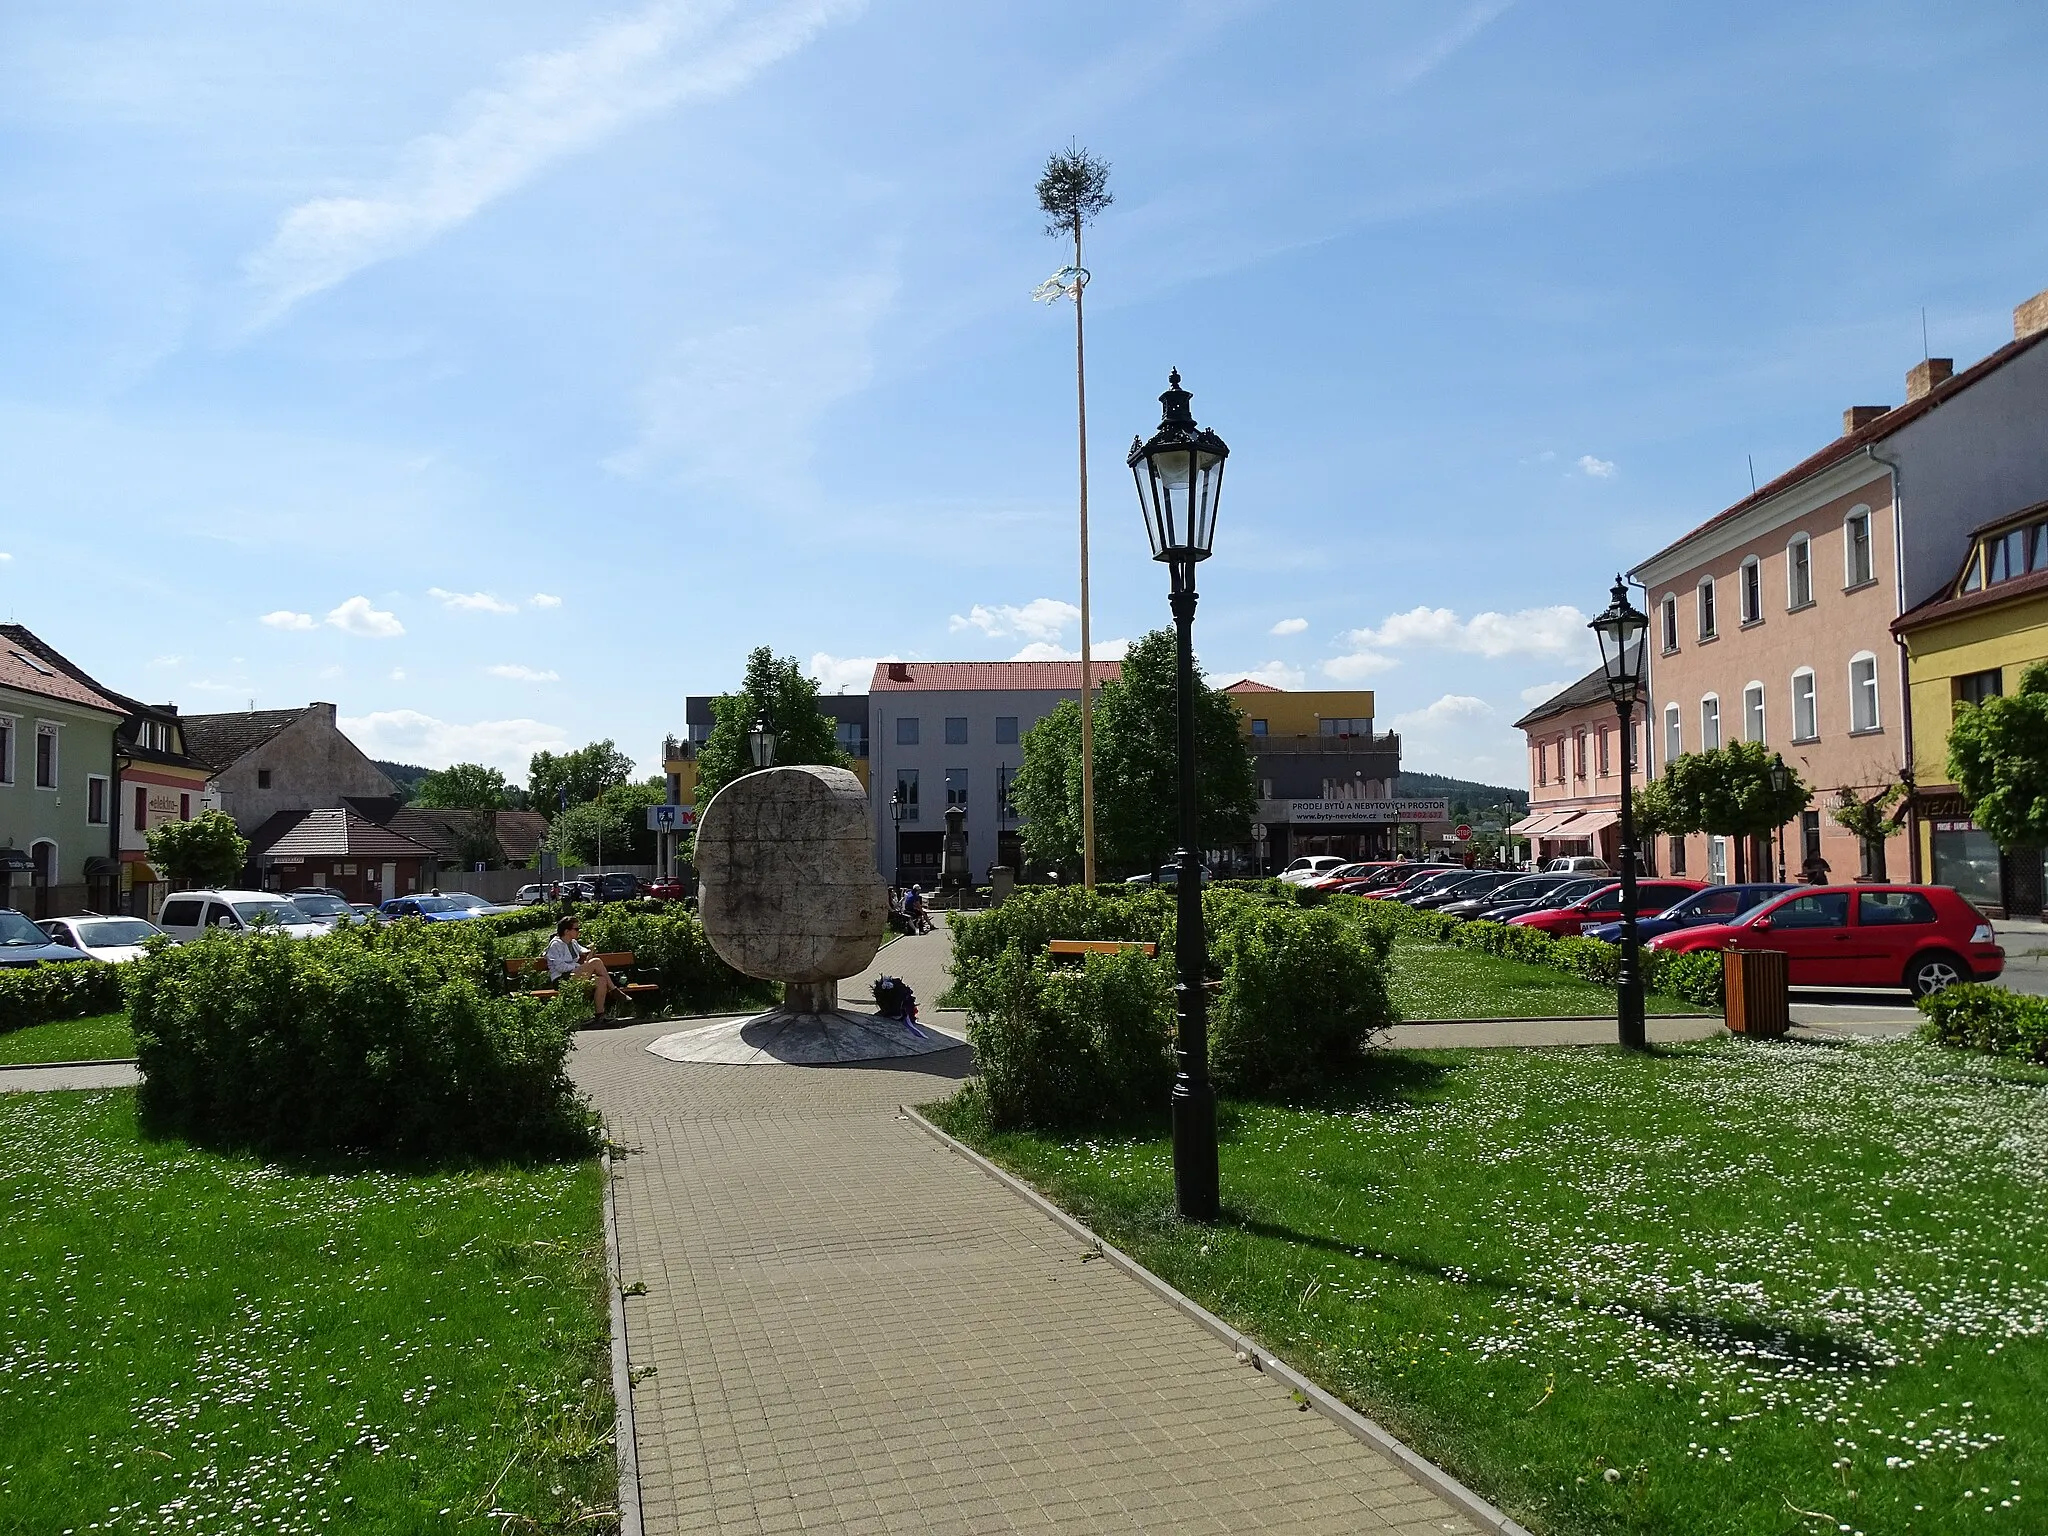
{"type": "Point", "coordinates": [1966, 645]}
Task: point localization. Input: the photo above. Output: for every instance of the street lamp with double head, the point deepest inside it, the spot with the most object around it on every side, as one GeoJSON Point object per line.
{"type": "Point", "coordinates": [1621, 630]}
{"type": "Point", "coordinates": [1179, 473]}
{"type": "Point", "coordinates": [761, 742]}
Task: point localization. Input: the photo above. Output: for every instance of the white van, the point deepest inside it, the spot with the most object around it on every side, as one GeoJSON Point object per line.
{"type": "Point", "coordinates": [188, 914]}
{"type": "Point", "coordinates": [1312, 867]}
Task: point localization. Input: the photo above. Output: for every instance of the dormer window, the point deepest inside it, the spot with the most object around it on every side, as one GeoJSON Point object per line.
{"type": "Point", "coordinates": [2005, 555]}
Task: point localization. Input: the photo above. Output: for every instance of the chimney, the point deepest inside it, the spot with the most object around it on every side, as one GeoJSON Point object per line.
{"type": "Point", "coordinates": [899, 671]}
{"type": "Point", "coordinates": [1923, 376]}
{"type": "Point", "coordinates": [325, 709]}
{"type": "Point", "coordinates": [2031, 316]}
{"type": "Point", "coordinates": [1857, 417]}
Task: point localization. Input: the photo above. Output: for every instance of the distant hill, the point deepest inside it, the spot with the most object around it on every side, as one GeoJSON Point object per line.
{"type": "Point", "coordinates": [1466, 797]}
{"type": "Point", "coordinates": [406, 776]}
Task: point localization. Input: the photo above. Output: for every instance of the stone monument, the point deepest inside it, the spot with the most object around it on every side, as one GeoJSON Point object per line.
{"type": "Point", "coordinates": [787, 891]}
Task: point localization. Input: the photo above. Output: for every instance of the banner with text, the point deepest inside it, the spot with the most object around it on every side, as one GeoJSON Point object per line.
{"type": "Point", "coordinates": [1354, 812]}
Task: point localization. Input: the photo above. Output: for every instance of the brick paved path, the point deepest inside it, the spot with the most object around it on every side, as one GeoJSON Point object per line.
{"type": "Point", "coordinates": [854, 1330]}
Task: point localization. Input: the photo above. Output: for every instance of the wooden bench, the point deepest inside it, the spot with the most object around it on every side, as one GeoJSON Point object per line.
{"type": "Point", "coordinates": [522, 971]}
{"type": "Point", "coordinates": [1075, 949]}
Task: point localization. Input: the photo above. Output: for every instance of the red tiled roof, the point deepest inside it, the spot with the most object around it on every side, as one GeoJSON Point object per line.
{"type": "Point", "coordinates": [332, 834]}
{"type": "Point", "coordinates": [934, 676]}
{"type": "Point", "coordinates": [1251, 685]}
{"type": "Point", "coordinates": [1853, 442]}
{"type": "Point", "coordinates": [26, 666]}
{"type": "Point", "coordinates": [1943, 606]}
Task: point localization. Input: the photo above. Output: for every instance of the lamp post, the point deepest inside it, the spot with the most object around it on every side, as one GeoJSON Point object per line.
{"type": "Point", "coordinates": [761, 741]}
{"type": "Point", "coordinates": [1781, 784]}
{"type": "Point", "coordinates": [1179, 474]}
{"type": "Point", "coordinates": [896, 820]}
{"type": "Point", "coordinates": [1621, 629]}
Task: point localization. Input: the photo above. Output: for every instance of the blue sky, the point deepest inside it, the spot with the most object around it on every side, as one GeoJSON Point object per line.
{"type": "Point", "coordinates": [505, 372]}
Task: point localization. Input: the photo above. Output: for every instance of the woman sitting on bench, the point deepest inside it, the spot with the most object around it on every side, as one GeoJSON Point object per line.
{"type": "Point", "coordinates": [568, 958]}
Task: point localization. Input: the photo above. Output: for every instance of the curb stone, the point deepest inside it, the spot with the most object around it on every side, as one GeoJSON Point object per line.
{"type": "Point", "coordinates": [52, 1066]}
{"type": "Point", "coordinates": [1249, 1350]}
{"type": "Point", "coordinates": [624, 1445]}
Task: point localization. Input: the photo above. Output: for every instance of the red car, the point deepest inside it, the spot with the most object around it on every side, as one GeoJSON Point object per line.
{"type": "Point", "coordinates": [1924, 937]}
{"type": "Point", "coordinates": [666, 890]}
{"type": "Point", "coordinates": [1604, 906]}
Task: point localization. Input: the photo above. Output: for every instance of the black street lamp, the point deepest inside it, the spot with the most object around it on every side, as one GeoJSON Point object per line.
{"type": "Point", "coordinates": [761, 742]}
{"type": "Point", "coordinates": [1179, 474]}
{"type": "Point", "coordinates": [1621, 630]}
{"type": "Point", "coordinates": [1781, 785]}
{"type": "Point", "coordinates": [896, 819]}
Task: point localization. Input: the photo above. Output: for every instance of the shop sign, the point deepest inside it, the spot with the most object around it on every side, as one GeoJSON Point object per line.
{"type": "Point", "coordinates": [1955, 826]}
{"type": "Point", "coordinates": [161, 807]}
{"type": "Point", "coordinates": [1353, 813]}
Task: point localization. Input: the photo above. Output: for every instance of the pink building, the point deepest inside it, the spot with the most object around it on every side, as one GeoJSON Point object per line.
{"type": "Point", "coordinates": [1575, 773]}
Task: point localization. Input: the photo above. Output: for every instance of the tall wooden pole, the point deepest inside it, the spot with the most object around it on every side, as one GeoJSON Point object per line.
{"type": "Point", "coordinates": [1087, 656]}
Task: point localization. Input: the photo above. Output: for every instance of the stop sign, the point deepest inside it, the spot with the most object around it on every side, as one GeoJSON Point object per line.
{"type": "Point", "coordinates": [1464, 833]}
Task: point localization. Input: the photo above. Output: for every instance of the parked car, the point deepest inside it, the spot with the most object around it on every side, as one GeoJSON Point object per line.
{"type": "Point", "coordinates": [1520, 892]}
{"type": "Point", "coordinates": [22, 943]}
{"type": "Point", "coordinates": [1921, 937]}
{"type": "Point", "coordinates": [1343, 872]}
{"type": "Point", "coordinates": [617, 887]}
{"type": "Point", "coordinates": [1477, 883]}
{"type": "Point", "coordinates": [1168, 874]}
{"type": "Point", "coordinates": [324, 907]}
{"type": "Point", "coordinates": [1602, 904]}
{"type": "Point", "coordinates": [313, 890]}
{"type": "Point", "coordinates": [432, 909]}
{"type": "Point", "coordinates": [115, 940]}
{"type": "Point", "coordinates": [367, 912]}
{"type": "Point", "coordinates": [1716, 904]}
{"type": "Point", "coordinates": [1577, 864]}
{"type": "Point", "coordinates": [1311, 867]}
{"type": "Point", "coordinates": [1427, 883]}
{"type": "Point", "coordinates": [478, 907]}
{"type": "Point", "coordinates": [188, 914]}
{"type": "Point", "coordinates": [667, 890]}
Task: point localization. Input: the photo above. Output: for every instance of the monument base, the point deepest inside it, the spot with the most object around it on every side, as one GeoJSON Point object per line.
{"type": "Point", "coordinates": [788, 1038]}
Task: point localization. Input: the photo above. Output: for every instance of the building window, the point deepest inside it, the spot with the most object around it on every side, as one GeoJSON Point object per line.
{"type": "Point", "coordinates": [906, 730]}
{"type": "Point", "coordinates": [1347, 727]}
{"type": "Point", "coordinates": [1579, 753]}
{"type": "Point", "coordinates": [956, 788]}
{"type": "Point", "coordinates": [2006, 556]}
{"type": "Point", "coordinates": [141, 809]}
{"type": "Point", "coordinates": [1856, 567]}
{"type": "Point", "coordinates": [184, 807]}
{"type": "Point", "coordinates": [1007, 794]}
{"type": "Point", "coordinates": [906, 791]}
{"type": "Point", "coordinates": [852, 736]}
{"type": "Point", "coordinates": [1258, 727]}
{"type": "Point", "coordinates": [1976, 687]}
{"type": "Point", "coordinates": [1668, 611]}
{"type": "Point", "coordinates": [1753, 712]}
{"type": "Point", "coordinates": [1863, 714]}
{"type": "Point", "coordinates": [1805, 717]}
{"type": "Point", "coordinates": [1006, 730]}
{"type": "Point", "coordinates": [1542, 764]}
{"type": "Point", "coordinates": [1799, 572]}
{"type": "Point", "coordinates": [6, 750]}
{"type": "Point", "coordinates": [1705, 600]}
{"type": "Point", "coordinates": [1672, 746]}
{"type": "Point", "coordinates": [95, 800]}
{"type": "Point", "coordinates": [1710, 723]}
{"type": "Point", "coordinates": [1717, 861]}
{"type": "Point", "coordinates": [46, 757]}
{"type": "Point", "coordinates": [263, 778]}
{"type": "Point", "coordinates": [1604, 770]}
{"type": "Point", "coordinates": [1752, 591]}
{"type": "Point", "coordinates": [1677, 855]}
{"type": "Point", "coordinates": [956, 730]}
{"type": "Point", "coordinates": [1809, 835]}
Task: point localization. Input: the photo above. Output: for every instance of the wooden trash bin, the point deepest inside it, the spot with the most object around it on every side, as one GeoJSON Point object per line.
{"type": "Point", "coordinates": [1753, 982]}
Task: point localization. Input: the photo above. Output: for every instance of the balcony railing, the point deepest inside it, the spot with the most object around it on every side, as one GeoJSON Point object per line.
{"type": "Point", "coordinates": [1326, 746]}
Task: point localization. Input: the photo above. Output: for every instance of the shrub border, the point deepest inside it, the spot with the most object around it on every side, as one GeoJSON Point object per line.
{"type": "Point", "coordinates": [1248, 1350]}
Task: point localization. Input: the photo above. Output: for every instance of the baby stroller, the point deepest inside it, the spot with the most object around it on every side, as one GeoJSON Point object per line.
{"type": "Point", "coordinates": [895, 1000]}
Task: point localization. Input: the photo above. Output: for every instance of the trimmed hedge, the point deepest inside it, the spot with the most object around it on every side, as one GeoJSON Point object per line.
{"type": "Point", "coordinates": [42, 994]}
{"type": "Point", "coordinates": [670, 948]}
{"type": "Point", "coordinates": [1988, 1019]}
{"type": "Point", "coordinates": [388, 1039]}
{"type": "Point", "coordinates": [1303, 992]}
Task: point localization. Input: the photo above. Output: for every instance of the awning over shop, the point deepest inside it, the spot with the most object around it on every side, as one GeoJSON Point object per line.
{"type": "Point", "coordinates": [16, 861]}
{"type": "Point", "coordinates": [100, 864]}
{"type": "Point", "coordinates": [1593, 823]}
{"type": "Point", "coordinates": [1530, 822]}
{"type": "Point", "coordinates": [1544, 825]}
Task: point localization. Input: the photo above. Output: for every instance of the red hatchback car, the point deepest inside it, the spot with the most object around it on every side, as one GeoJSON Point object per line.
{"type": "Point", "coordinates": [1604, 906]}
{"type": "Point", "coordinates": [1923, 937]}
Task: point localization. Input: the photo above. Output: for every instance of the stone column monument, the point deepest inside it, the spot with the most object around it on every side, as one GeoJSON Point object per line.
{"type": "Point", "coordinates": [788, 892]}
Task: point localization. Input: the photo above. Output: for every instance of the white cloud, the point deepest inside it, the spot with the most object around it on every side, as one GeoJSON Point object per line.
{"type": "Point", "coordinates": [357, 617]}
{"type": "Point", "coordinates": [165, 661]}
{"type": "Point", "coordinates": [1043, 618]}
{"type": "Point", "coordinates": [330, 672]}
{"type": "Point", "coordinates": [545, 106]}
{"type": "Point", "coordinates": [519, 674]}
{"type": "Point", "coordinates": [543, 600]}
{"type": "Point", "coordinates": [284, 618]}
{"type": "Point", "coordinates": [406, 735]}
{"type": "Point", "coordinates": [1289, 627]}
{"type": "Point", "coordinates": [1475, 20]}
{"type": "Point", "coordinates": [5, 557]}
{"type": "Point", "coordinates": [1542, 691]}
{"type": "Point", "coordinates": [1554, 631]}
{"type": "Point", "coordinates": [207, 685]}
{"type": "Point", "coordinates": [1451, 709]}
{"type": "Point", "coordinates": [1358, 666]}
{"type": "Point", "coordinates": [1276, 674]}
{"type": "Point", "coordinates": [1599, 469]}
{"type": "Point", "coordinates": [1046, 650]}
{"type": "Point", "coordinates": [844, 674]}
{"type": "Point", "coordinates": [471, 602]}
{"type": "Point", "coordinates": [398, 674]}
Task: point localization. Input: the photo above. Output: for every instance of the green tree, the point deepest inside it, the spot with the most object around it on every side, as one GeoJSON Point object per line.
{"type": "Point", "coordinates": [1998, 758]}
{"type": "Point", "coordinates": [1727, 792]}
{"type": "Point", "coordinates": [775, 687]}
{"type": "Point", "coordinates": [1872, 820]}
{"type": "Point", "coordinates": [1653, 817]}
{"type": "Point", "coordinates": [207, 850]}
{"type": "Point", "coordinates": [462, 787]}
{"type": "Point", "coordinates": [612, 829]}
{"type": "Point", "coordinates": [1137, 769]}
{"type": "Point", "coordinates": [555, 780]}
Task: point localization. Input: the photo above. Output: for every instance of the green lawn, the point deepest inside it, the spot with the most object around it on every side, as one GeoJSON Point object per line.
{"type": "Point", "coordinates": [196, 1342]}
{"type": "Point", "coordinates": [103, 1037]}
{"type": "Point", "coordinates": [1725, 1288]}
{"type": "Point", "coordinates": [1435, 981]}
